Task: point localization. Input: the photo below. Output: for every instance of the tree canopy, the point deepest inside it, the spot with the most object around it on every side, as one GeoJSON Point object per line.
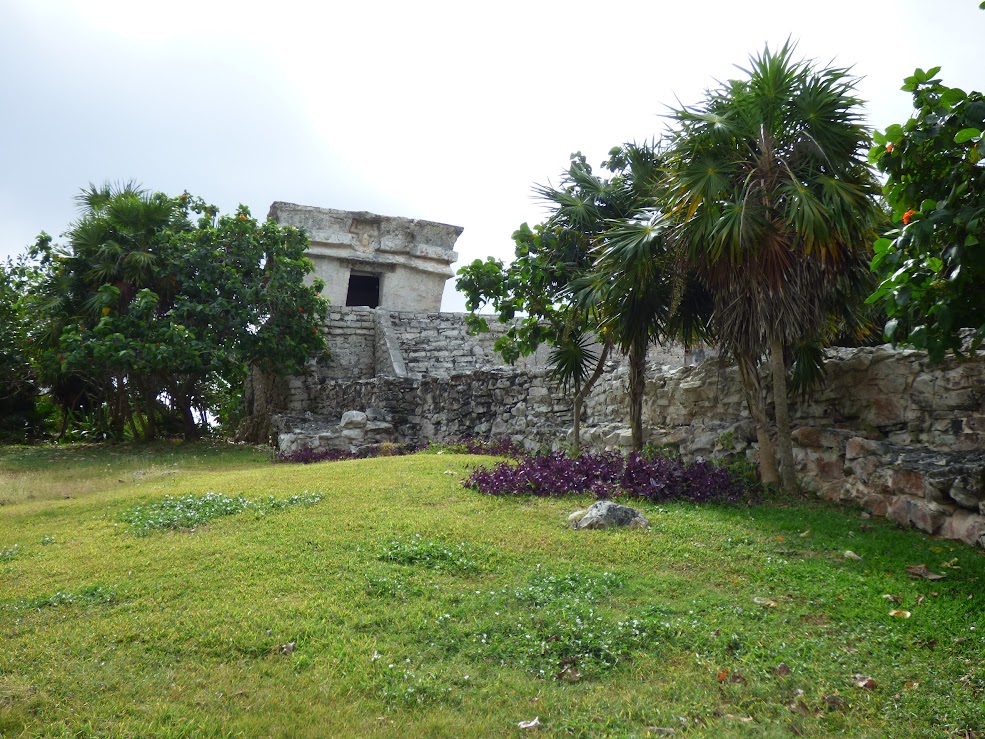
{"type": "Point", "coordinates": [596, 274]}
{"type": "Point", "coordinates": [932, 265]}
{"type": "Point", "coordinates": [155, 307]}
{"type": "Point", "coordinates": [775, 210]}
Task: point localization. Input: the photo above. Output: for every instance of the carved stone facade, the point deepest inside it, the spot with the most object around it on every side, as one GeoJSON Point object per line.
{"type": "Point", "coordinates": [375, 261]}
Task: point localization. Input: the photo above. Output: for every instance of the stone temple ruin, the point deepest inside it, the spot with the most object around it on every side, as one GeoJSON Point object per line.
{"type": "Point", "coordinates": [888, 432]}
{"type": "Point", "coordinates": [374, 261]}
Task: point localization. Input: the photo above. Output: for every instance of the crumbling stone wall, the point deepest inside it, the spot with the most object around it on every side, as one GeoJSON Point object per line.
{"type": "Point", "coordinates": [353, 358]}
{"type": "Point", "coordinates": [482, 403]}
{"type": "Point", "coordinates": [888, 432]}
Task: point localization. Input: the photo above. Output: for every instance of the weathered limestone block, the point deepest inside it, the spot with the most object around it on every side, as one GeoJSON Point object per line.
{"type": "Point", "coordinates": [353, 420]}
{"type": "Point", "coordinates": [605, 514]}
{"type": "Point", "coordinates": [908, 511]}
{"type": "Point", "coordinates": [857, 447]}
{"type": "Point", "coordinates": [908, 482]}
{"type": "Point", "coordinates": [965, 526]}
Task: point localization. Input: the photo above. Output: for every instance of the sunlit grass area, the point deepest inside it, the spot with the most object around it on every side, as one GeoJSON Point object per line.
{"type": "Point", "coordinates": [39, 473]}
{"type": "Point", "coordinates": [387, 600]}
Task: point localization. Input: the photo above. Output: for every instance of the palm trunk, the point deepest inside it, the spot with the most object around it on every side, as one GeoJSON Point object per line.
{"type": "Point", "coordinates": [749, 377]}
{"type": "Point", "coordinates": [637, 386]}
{"type": "Point", "coordinates": [584, 390]}
{"type": "Point", "coordinates": [782, 410]}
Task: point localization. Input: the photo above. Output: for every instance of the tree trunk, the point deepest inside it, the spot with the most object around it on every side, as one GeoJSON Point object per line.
{"type": "Point", "coordinates": [256, 426]}
{"type": "Point", "coordinates": [189, 428]}
{"type": "Point", "coordinates": [583, 392]}
{"type": "Point", "coordinates": [576, 422]}
{"type": "Point", "coordinates": [637, 386]}
{"type": "Point", "coordinates": [782, 410]}
{"type": "Point", "coordinates": [749, 376]}
{"type": "Point", "coordinates": [148, 394]}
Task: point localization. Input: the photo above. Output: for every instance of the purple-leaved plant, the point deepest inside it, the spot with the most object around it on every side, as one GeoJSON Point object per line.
{"type": "Point", "coordinates": [498, 447]}
{"type": "Point", "coordinates": [609, 475]}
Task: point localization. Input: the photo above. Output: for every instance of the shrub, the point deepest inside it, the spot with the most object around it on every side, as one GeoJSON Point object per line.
{"type": "Point", "coordinates": [500, 447]}
{"type": "Point", "coordinates": [608, 475]}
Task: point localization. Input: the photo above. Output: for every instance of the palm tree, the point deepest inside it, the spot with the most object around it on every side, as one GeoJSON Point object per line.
{"type": "Point", "coordinates": [113, 255]}
{"type": "Point", "coordinates": [774, 202]}
{"type": "Point", "coordinates": [645, 297]}
{"type": "Point", "coordinates": [631, 287]}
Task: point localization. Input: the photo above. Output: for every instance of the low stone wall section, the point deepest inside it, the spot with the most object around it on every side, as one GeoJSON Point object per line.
{"type": "Point", "coordinates": [888, 431]}
{"type": "Point", "coordinates": [483, 404]}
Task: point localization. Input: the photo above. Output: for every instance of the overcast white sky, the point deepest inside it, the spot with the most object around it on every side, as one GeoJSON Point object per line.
{"type": "Point", "coordinates": [443, 111]}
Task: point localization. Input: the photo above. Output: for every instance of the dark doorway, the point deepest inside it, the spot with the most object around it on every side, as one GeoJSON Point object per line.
{"type": "Point", "coordinates": [363, 290]}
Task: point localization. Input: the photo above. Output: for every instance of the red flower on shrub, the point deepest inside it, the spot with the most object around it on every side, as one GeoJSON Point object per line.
{"type": "Point", "coordinates": [889, 148]}
{"type": "Point", "coordinates": [908, 216]}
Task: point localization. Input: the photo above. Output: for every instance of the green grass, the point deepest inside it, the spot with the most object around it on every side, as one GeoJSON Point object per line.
{"type": "Point", "coordinates": [402, 604]}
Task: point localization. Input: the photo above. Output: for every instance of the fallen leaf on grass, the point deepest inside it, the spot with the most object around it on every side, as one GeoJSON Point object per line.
{"type": "Point", "coordinates": [743, 719]}
{"type": "Point", "coordinates": [286, 648]}
{"type": "Point", "coordinates": [723, 675]}
{"type": "Point", "coordinates": [449, 472]}
{"type": "Point", "coordinates": [911, 684]}
{"type": "Point", "coordinates": [924, 572]}
{"type": "Point", "coordinates": [835, 702]}
{"type": "Point", "coordinates": [953, 564]}
{"type": "Point", "coordinates": [864, 681]}
{"type": "Point", "coordinates": [849, 554]}
{"type": "Point", "coordinates": [764, 602]}
{"type": "Point", "coordinates": [532, 723]}
{"type": "Point", "coordinates": [804, 534]}
{"type": "Point", "coordinates": [782, 670]}
{"type": "Point", "coordinates": [892, 598]}
{"type": "Point", "coordinates": [802, 709]}
{"type": "Point", "coordinates": [896, 613]}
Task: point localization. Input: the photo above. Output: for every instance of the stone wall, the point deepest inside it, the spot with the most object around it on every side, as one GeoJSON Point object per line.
{"type": "Point", "coordinates": [482, 403]}
{"type": "Point", "coordinates": [888, 431]}
{"type": "Point", "coordinates": [355, 356]}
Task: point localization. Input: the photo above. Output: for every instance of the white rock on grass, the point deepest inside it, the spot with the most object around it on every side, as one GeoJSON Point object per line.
{"type": "Point", "coordinates": [605, 514]}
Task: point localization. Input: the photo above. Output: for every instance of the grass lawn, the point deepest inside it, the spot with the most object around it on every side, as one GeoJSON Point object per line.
{"type": "Point", "coordinates": [401, 604]}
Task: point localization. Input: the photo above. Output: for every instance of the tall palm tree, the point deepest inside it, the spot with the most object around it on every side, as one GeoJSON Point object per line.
{"type": "Point", "coordinates": [631, 287]}
{"type": "Point", "coordinates": [774, 201]}
{"type": "Point", "coordinates": [645, 297]}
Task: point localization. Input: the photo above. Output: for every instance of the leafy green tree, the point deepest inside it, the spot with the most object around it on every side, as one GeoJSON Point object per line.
{"type": "Point", "coordinates": [20, 417]}
{"type": "Point", "coordinates": [932, 265]}
{"type": "Point", "coordinates": [576, 284]}
{"type": "Point", "coordinates": [147, 315]}
{"type": "Point", "coordinates": [775, 206]}
{"type": "Point", "coordinates": [533, 296]}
